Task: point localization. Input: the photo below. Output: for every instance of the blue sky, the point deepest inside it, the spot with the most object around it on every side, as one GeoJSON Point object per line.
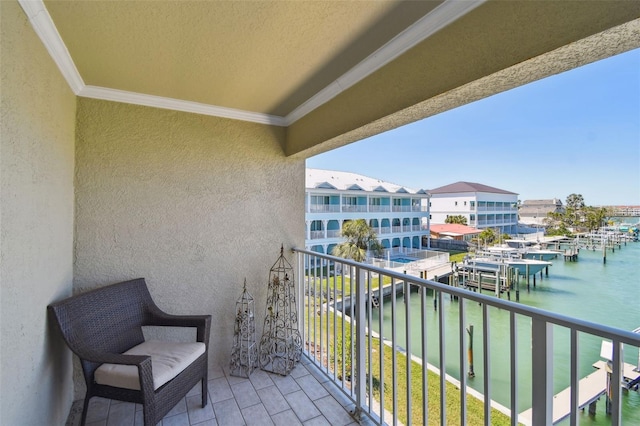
{"type": "Point", "coordinates": [575, 132]}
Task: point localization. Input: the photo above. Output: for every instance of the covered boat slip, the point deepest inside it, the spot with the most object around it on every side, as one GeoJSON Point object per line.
{"type": "Point", "coordinates": [495, 256]}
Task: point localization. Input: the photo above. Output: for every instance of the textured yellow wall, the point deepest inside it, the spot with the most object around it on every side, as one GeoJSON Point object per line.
{"type": "Point", "coordinates": [192, 203]}
{"type": "Point", "coordinates": [36, 210]}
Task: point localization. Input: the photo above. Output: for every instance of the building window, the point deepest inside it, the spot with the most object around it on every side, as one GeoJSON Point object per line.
{"type": "Point", "coordinates": [456, 203]}
{"type": "Point", "coordinates": [472, 204]}
{"type": "Point", "coordinates": [465, 203]}
{"type": "Point", "coordinates": [350, 201]}
{"type": "Point", "coordinates": [375, 201]}
{"type": "Point", "coordinates": [320, 200]}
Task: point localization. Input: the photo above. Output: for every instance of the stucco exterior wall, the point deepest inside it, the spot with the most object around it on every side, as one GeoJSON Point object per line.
{"type": "Point", "coordinates": [36, 225]}
{"type": "Point", "coordinates": [192, 203]}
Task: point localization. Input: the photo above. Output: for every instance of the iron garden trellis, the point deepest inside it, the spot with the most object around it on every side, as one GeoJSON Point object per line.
{"type": "Point", "coordinates": [281, 342]}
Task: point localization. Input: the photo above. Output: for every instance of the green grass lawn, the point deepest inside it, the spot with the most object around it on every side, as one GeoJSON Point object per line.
{"type": "Point", "coordinates": [457, 256]}
{"type": "Point", "coordinates": [327, 284]}
{"type": "Point", "coordinates": [330, 325]}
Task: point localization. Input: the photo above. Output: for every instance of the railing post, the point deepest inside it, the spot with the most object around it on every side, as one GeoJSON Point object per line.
{"type": "Point", "coordinates": [361, 380]}
{"type": "Point", "coordinates": [407, 310]}
{"type": "Point", "coordinates": [301, 258]}
{"type": "Point", "coordinates": [542, 372]}
{"type": "Point", "coordinates": [616, 379]}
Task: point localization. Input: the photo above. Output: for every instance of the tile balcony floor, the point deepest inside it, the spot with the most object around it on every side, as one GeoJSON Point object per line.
{"type": "Point", "coordinates": [304, 397]}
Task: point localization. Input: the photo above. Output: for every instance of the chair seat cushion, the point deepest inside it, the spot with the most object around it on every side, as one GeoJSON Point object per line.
{"type": "Point", "coordinates": [168, 359]}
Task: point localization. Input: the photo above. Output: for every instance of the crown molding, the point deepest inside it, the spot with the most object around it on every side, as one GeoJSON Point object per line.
{"type": "Point", "coordinates": [102, 93]}
{"type": "Point", "coordinates": [438, 18]}
{"type": "Point", "coordinates": [45, 29]}
{"type": "Point", "coordinates": [441, 16]}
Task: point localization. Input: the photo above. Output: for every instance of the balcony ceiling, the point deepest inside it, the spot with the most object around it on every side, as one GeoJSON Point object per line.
{"type": "Point", "coordinates": [330, 72]}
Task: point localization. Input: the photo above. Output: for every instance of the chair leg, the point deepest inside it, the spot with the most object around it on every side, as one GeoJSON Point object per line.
{"type": "Point", "coordinates": [85, 408]}
{"type": "Point", "coordinates": [148, 411]}
{"type": "Point", "coordinates": [205, 399]}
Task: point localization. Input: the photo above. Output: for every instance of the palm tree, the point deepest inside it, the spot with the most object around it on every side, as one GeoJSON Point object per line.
{"type": "Point", "coordinates": [360, 237]}
{"type": "Point", "coordinates": [459, 219]}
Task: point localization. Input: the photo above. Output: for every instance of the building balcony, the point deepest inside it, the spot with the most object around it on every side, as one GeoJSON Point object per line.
{"type": "Point", "coordinates": [354, 209]}
{"type": "Point", "coordinates": [316, 235]}
{"type": "Point", "coordinates": [333, 233]}
{"type": "Point", "coordinates": [324, 208]}
{"type": "Point", "coordinates": [117, 175]}
{"type": "Point", "coordinates": [348, 350]}
{"type": "Point", "coordinates": [306, 395]}
{"type": "Point", "coordinates": [403, 209]}
{"type": "Point", "coordinates": [379, 209]}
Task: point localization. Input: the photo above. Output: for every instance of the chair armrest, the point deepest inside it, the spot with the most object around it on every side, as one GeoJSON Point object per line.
{"type": "Point", "coordinates": [201, 322]}
{"type": "Point", "coordinates": [111, 358]}
{"type": "Point", "coordinates": [143, 362]}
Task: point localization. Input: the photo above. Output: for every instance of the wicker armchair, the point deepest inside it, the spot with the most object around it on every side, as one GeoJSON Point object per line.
{"type": "Point", "coordinates": [99, 325]}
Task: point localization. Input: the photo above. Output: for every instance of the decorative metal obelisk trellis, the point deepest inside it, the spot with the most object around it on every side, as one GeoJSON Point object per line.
{"type": "Point", "coordinates": [244, 355]}
{"type": "Point", "coordinates": [281, 343]}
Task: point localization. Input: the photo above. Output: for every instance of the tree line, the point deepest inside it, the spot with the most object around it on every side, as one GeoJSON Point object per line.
{"type": "Point", "coordinates": [576, 217]}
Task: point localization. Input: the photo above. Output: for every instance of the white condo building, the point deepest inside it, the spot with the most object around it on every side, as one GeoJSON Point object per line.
{"type": "Point", "coordinates": [396, 213]}
{"type": "Point", "coordinates": [482, 205]}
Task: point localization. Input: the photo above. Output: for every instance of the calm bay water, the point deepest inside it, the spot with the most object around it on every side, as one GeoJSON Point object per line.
{"type": "Point", "coordinates": [589, 289]}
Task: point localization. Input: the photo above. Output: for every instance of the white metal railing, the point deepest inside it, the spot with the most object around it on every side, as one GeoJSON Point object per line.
{"type": "Point", "coordinates": [350, 208]}
{"type": "Point", "coordinates": [335, 304]}
{"type": "Point", "coordinates": [385, 229]}
{"type": "Point", "coordinates": [315, 235]}
{"type": "Point", "coordinates": [377, 209]}
{"type": "Point", "coordinates": [333, 233]}
{"type": "Point", "coordinates": [420, 260]}
{"type": "Point", "coordinates": [324, 208]}
{"type": "Point", "coordinates": [401, 209]}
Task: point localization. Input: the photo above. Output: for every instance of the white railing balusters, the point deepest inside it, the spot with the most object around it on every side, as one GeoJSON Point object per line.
{"type": "Point", "coordinates": [370, 295]}
{"type": "Point", "coordinates": [335, 319]}
{"type": "Point", "coordinates": [542, 372]}
{"type": "Point", "coordinates": [573, 419]}
{"type": "Point", "coordinates": [425, 376]}
{"type": "Point", "coordinates": [513, 356]}
{"type": "Point", "coordinates": [462, 321]}
{"type": "Point", "coordinates": [443, 358]}
{"type": "Point", "coordinates": [616, 379]}
{"type": "Point", "coordinates": [313, 313]}
{"type": "Point", "coordinates": [320, 314]}
{"type": "Point", "coordinates": [353, 366]}
{"type": "Point", "coordinates": [486, 334]}
{"type": "Point", "coordinates": [352, 330]}
{"type": "Point", "coordinates": [394, 358]}
{"type": "Point", "coordinates": [344, 320]}
{"type": "Point", "coordinates": [407, 315]}
{"type": "Point", "coordinates": [360, 376]}
{"type": "Point", "coordinates": [382, 344]}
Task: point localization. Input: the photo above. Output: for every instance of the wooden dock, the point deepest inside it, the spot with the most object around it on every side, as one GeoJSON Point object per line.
{"type": "Point", "coordinates": [590, 389]}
